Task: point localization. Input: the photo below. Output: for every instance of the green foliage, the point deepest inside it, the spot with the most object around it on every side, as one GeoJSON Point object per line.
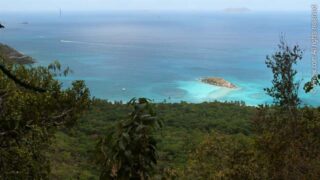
{"type": "Point", "coordinates": [288, 147]}
{"type": "Point", "coordinates": [286, 142]}
{"type": "Point", "coordinates": [29, 118]}
{"type": "Point", "coordinates": [185, 125]}
{"type": "Point", "coordinates": [315, 81]}
{"type": "Point", "coordinates": [65, 157]}
{"type": "Point", "coordinates": [130, 151]}
{"type": "Point", "coordinates": [284, 89]}
{"type": "Point", "coordinates": [221, 156]}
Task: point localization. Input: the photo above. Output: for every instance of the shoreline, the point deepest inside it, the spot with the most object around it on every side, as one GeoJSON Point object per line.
{"type": "Point", "coordinates": [12, 55]}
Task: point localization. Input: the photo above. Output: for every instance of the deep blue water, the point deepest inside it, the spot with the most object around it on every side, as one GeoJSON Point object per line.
{"type": "Point", "coordinates": [162, 55]}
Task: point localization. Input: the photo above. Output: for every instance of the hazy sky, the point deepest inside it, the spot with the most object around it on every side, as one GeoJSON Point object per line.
{"type": "Point", "coordinates": [185, 5]}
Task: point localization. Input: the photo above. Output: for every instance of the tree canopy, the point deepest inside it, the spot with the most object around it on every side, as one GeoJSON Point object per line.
{"type": "Point", "coordinates": [33, 106]}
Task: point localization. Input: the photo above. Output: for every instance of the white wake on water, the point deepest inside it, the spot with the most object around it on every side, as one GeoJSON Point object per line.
{"type": "Point", "coordinates": [82, 42]}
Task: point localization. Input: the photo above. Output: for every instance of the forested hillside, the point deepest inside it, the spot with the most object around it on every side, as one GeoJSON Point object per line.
{"type": "Point", "coordinates": [185, 126]}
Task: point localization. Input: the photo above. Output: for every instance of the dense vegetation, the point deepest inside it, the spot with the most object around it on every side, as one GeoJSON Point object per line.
{"type": "Point", "coordinates": [33, 107]}
{"type": "Point", "coordinates": [43, 136]}
{"type": "Point", "coordinates": [287, 140]}
{"type": "Point", "coordinates": [130, 150]}
{"type": "Point", "coordinates": [184, 126]}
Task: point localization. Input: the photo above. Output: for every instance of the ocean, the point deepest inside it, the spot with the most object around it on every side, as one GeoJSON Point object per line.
{"type": "Point", "coordinates": [162, 55]}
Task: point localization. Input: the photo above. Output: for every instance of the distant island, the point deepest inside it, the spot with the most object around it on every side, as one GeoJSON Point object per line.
{"type": "Point", "coordinates": [217, 81]}
{"type": "Point", "coordinates": [12, 55]}
{"type": "Point", "coordinates": [237, 10]}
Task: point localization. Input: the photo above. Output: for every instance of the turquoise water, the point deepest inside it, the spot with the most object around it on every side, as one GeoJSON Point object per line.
{"type": "Point", "coordinates": [162, 55]}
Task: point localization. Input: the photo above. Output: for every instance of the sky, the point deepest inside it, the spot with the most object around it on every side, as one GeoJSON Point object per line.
{"type": "Point", "coordinates": [153, 5]}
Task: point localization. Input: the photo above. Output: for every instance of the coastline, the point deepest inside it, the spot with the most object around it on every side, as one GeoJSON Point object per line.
{"type": "Point", "coordinates": [12, 55]}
